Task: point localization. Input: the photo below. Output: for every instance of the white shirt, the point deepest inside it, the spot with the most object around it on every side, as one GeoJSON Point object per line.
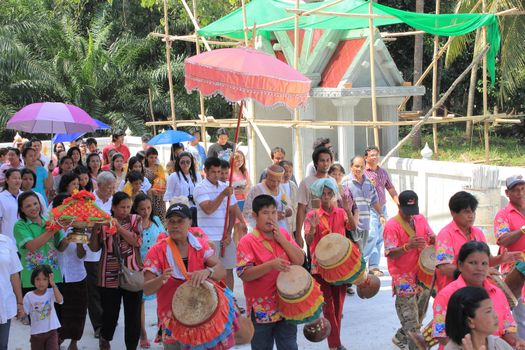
{"type": "Point", "coordinates": [213, 225]}
{"type": "Point", "coordinates": [176, 185]}
{"type": "Point", "coordinates": [71, 266]}
{"type": "Point", "coordinates": [44, 159]}
{"type": "Point", "coordinates": [8, 213]}
{"type": "Point", "coordinates": [106, 206]}
{"type": "Point", "coordinates": [41, 309]}
{"type": "Point", "coordinates": [9, 264]}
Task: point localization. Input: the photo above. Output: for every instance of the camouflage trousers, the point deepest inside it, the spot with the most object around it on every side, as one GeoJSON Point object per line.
{"type": "Point", "coordinates": [411, 312]}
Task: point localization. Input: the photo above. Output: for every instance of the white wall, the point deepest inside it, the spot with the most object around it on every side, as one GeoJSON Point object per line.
{"type": "Point", "coordinates": [436, 181]}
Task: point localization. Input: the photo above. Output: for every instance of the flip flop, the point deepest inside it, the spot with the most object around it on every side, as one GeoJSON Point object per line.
{"type": "Point", "coordinates": [145, 344]}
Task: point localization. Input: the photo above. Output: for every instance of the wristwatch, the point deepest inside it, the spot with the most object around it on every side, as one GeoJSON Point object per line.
{"type": "Point", "coordinates": [211, 270]}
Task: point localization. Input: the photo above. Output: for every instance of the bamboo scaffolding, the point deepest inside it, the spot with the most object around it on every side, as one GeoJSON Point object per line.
{"type": "Point", "coordinates": [437, 105]}
{"type": "Point", "coordinates": [485, 94]}
{"type": "Point", "coordinates": [168, 63]}
{"type": "Point", "coordinates": [195, 24]}
{"type": "Point", "coordinates": [298, 159]}
{"type": "Point", "coordinates": [371, 38]}
{"type": "Point", "coordinates": [192, 38]}
{"type": "Point", "coordinates": [150, 100]}
{"type": "Point", "coordinates": [317, 12]}
{"type": "Point", "coordinates": [435, 84]}
{"type": "Point", "coordinates": [202, 114]}
{"type": "Point", "coordinates": [312, 124]}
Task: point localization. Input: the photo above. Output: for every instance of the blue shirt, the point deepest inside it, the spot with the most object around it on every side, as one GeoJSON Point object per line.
{"type": "Point", "coordinates": [41, 176]}
{"type": "Point", "coordinates": [365, 196]}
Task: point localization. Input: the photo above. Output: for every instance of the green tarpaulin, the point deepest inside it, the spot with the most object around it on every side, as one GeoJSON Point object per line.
{"type": "Point", "coordinates": [259, 12]}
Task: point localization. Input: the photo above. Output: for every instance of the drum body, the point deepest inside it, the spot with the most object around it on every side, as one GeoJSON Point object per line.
{"type": "Point", "coordinates": [511, 298]}
{"type": "Point", "coordinates": [339, 260]}
{"type": "Point", "coordinates": [299, 296]}
{"type": "Point", "coordinates": [203, 316]}
{"type": "Point", "coordinates": [317, 330]}
{"type": "Point", "coordinates": [426, 266]}
{"type": "Point", "coordinates": [514, 281]}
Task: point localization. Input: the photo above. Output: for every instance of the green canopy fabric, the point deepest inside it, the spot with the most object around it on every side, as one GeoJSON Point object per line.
{"type": "Point", "coordinates": [259, 12]}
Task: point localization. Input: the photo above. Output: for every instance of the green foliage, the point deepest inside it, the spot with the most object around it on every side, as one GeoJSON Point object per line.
{"type": "Point", "coordinates": [97, 55]}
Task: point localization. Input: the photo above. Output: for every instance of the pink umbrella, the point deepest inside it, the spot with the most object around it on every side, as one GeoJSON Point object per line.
{"type": "Point", "coordinates": [52, 118]}
{"type": "Point", "coordinates": [239, 73]}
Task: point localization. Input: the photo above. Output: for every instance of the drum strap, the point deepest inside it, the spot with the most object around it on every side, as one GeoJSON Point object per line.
{"type": "Point", "coordinates": [264, 242]}
{"type": "Point", "coordinates": [177, 258]}
{"type": "Point", "coordinates": [324, 221]}
{"type": "Point", "coordinates": [406, 226]}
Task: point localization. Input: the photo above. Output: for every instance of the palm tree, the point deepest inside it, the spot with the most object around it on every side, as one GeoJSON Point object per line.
{"type": "Point", "coordinates": [512, 56]}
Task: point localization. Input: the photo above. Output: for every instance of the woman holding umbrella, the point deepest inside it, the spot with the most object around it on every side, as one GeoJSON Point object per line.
{"type": "Point", "coordinates": [44, 180]}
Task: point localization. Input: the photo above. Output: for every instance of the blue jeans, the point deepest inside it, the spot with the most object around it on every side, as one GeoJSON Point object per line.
{"type": "Point", "coordinates": [374, 244]}
{"type": "Point", "coordinates": [4, 335]}
{"type": "Point", "coordinates": [284, 334]}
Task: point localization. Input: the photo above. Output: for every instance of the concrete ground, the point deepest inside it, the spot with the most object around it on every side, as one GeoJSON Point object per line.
{"type": "Point", "coordinates": [367, 324]}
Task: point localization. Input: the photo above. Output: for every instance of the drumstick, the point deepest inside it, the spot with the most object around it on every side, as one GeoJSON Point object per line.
{"type": "Point", "coordinates": [429, 294]}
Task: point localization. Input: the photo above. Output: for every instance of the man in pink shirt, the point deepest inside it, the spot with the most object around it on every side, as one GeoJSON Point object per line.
{"type": "Point", "coordinates": [117, 143]}
{"type": "Point", "coordinates": [261, 255]}
{"type": "Point", "coordinates": [405, 236]}
{"type": "Point", "coordinates": [509, 230]}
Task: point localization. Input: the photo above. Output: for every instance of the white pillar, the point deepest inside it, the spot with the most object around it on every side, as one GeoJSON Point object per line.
{"type": "Point", "coordinates": [346, 134]}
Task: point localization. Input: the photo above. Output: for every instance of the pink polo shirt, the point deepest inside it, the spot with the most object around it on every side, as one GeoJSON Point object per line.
{"type": "Point", "coordinates": [333, 222]}
{"type": "Point", "coordinates": [448, 243]}
{"type": "Point", "coordinates": [501, 306]}
{"type": "Point", "coordinates": [261, 293]}
{"type": "Point", "coordinates": [403, 269]}
{"type": "Point", "coordinates": [507, 220]}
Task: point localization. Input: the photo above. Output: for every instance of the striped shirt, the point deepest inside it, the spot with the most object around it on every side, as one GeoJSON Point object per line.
{"type": "Point", "coordinates": [365, 196]}
{"type": "Point", "coordinates": [381, 180]}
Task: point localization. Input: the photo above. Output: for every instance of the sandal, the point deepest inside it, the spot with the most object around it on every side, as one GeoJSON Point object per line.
{"type": "Point", "coordinates": [145, 344]}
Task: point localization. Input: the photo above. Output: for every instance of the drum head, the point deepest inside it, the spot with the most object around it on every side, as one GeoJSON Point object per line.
{"type": "Point", "coordinates": [331, 249]}
{"type": "Point", "coordinates": [294, 283]}
{"type": "Point", "coordinates": [193, 306]}
{"type": "Point", "coordinates": [427, 258]}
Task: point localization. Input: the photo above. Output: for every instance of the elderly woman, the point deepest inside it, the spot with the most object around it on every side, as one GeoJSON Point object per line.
{"type": "Point", "coordinates": [191, 258]}
{"type": "Point", "coordinates": [119, 248]}
{"type": "Point", "coordinates": [473, 265]}
{"type": "Point", "coordinates": [320, 222]}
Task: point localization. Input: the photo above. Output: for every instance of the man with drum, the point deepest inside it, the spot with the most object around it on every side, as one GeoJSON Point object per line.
{"type": "Point", "coordinates": [509, 229]}
{"type": "Point", "coordinates": [405, 236]}
{"type": "Point", "coordinates": [261, 255]}
{"type": "Point", "coordinates": [319, 223]}
{"type": "Point", "coordinates": [461, 229]}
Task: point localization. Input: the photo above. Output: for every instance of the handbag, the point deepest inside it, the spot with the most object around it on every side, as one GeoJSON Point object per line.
{"type": "Point", "coordinates": [128, 279]}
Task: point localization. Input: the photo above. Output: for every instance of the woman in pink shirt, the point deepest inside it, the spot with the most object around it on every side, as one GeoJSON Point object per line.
{"type": "Point", "coordinates": [473, 265]}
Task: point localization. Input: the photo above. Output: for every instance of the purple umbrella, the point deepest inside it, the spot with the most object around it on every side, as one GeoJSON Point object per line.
{"type": "Point", "coordinates": [52, 118]}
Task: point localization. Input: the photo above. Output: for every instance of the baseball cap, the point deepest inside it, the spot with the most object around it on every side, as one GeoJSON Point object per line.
{"type": "Point", "coordinates": [514, 180]}
{"type": "Point", "coordinates": [408, 203]}
{"type": "Point", "coordinates": [178, 209]}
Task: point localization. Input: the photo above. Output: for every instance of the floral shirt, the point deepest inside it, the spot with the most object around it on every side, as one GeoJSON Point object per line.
{"type": "Point", "coordinates": [501, 306]}
{"type": "Point", "coordinates": [158, 259]}
{"type": "Point", "coordinates": [25, 231]}
{"type": "Point", "coordinates": [261, 293]}
{"type": "Point", "coordinates": [404, 268]}
{"type": "Point", "coordinates": [448, 243]}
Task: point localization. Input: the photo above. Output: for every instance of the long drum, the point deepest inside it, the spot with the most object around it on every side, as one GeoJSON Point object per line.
{"type": "Point", "coordinates": [299, 295]}
{"type": "Point", "coordinates": [511, 298]}
{"type": "Point", "coordinates": [339, 260]}
{"type": "Point", "coordinates": [203, 315]}
{"type": "Point", "coordinates": [426, 266]}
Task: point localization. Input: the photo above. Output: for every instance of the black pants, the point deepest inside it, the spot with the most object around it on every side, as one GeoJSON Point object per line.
{"type": "Point", "coordinates": [94, 305]}
{"type": "Point", "coordinates": [111, 298]}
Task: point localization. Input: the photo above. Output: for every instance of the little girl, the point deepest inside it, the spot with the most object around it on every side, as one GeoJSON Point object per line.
{"type": "Point", "coordinates": [39, 304]}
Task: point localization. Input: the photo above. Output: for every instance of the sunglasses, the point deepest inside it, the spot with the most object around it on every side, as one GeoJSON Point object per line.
{"type": "Point", "coordinates": [182, 162]}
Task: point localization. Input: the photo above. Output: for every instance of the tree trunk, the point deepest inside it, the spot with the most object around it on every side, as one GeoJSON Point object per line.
{"type": "Point", "coordinates": [417, 104]}
{"type": "Point", "coordinates": [472, 94]}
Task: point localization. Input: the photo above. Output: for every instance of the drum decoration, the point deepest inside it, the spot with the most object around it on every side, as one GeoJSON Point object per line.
{"type": "Point", "coordinates": [511, 298]}
{"type": "Point", "coordinates": [426, 267]}
{"type": "Point", "coordinates": [203, 316]}
{"type": "Point", "coordinates": [317, 330]}
{"type": "Point", "coordinates": [369, 287]}
{"type": "Point", "coordinates": [298, 295]}
{"type": "Point", "coordinates": [339, 260]}
{"type": "Point", "coordinates": [79, 212]}
{"type": "Point", "coordinates": [424, 340]}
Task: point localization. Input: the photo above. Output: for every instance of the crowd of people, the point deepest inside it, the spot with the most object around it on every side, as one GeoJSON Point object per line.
{"type": "Point", "coordinates": [182, 221]}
